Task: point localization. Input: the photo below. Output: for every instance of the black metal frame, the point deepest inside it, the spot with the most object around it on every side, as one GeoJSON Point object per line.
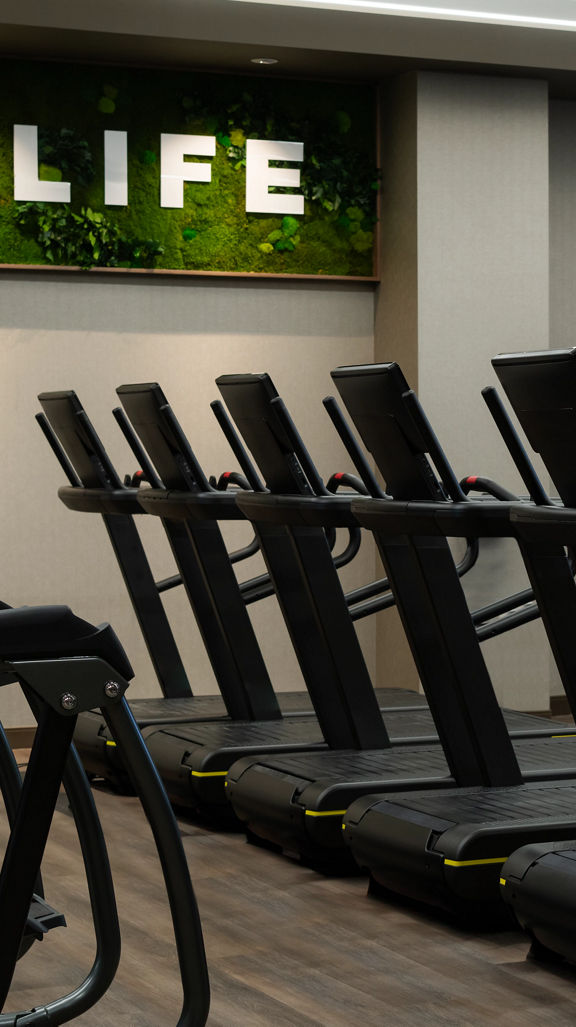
{"type": "Point", "coordinates": [48, 683]}
{"type": "Point", "coordinates": [300, 564]}
{"type": "Point", "coordinates": [121, 529]}
{"type": "Point", "coordinates": [422, 572]}
{"type": "Point", "coordinates": [381, 402]}
{"type": "Point", "coordinates": [200, 553]}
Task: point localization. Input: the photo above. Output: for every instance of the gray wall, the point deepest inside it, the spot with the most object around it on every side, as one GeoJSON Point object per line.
{"type": "Point", "coordinates": [92, 333]}
{"type": "Point", "coordinates": [473, 282]}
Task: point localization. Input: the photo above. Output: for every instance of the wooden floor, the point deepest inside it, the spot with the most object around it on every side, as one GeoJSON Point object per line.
{"type": "Point", "coordinates": [286, 947]}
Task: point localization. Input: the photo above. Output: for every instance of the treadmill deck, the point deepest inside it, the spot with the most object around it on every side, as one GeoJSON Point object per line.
{"type": "Point", "coordinates": [448, 848]}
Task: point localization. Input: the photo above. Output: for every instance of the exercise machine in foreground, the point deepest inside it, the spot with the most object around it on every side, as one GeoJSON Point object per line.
{"type": "Point", "coordinates": [66, 665]}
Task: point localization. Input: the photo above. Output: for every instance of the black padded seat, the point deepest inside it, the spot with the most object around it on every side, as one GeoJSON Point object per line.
{"type": "Point", "coordinates": [48, 631]}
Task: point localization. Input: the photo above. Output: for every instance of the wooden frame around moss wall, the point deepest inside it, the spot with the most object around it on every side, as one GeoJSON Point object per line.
{"type": "Point", "coordinates": [104, 72]}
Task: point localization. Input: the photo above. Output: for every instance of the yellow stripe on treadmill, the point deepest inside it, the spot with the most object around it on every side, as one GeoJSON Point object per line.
{"type": "Point", "coordinates": [324, 812]}
{"type": "Point", "coordinates": [567, 735]}
{"type": "Point", "coordinates": [208, 773]}
{"type": "Point", "coordinates": [473, 862]}
{"type": "Point", "coordinates": [108, 742]}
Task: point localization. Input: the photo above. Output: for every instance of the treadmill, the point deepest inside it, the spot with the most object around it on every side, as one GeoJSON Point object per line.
{"type": "Point", "coordinates": [447, 848]}
{"type": "Point", "coordinates": [95, 487]}
{"type": "Point", "coordinates": [297, 802]}
{"type": "Point", "coordinates": [538, 881]}
{"type": "Point", "coordinates": [193, 759]}
{"type": "Point", "coordinates": [206, 571]}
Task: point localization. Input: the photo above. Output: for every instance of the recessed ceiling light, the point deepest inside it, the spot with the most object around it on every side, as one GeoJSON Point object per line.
{"type": "Point", "coordinates": [264, 60]}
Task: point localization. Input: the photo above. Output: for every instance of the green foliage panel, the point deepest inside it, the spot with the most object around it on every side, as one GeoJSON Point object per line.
{"type": "Point", "coordinates": [73, 105]}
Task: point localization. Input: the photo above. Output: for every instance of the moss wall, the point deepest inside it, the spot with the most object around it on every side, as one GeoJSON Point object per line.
{"type": "Point", "coordinates": [74, 104]}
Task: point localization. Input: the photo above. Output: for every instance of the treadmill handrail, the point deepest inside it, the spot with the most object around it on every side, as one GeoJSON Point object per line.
{"type": "Point", "coordinates": [477, 483]}
{"type": "Point", "coordinates": [236, 445]}
{"type": "Point", "coordinates": [297, 443]}
{"type": "Point", "coordinates": [54, 443]}
{"type": "Point", "coordinates": [200, 479]}
{"type": "Point", "coordinates": [502, 606]}
{"type": "Point", "coordinates": [352, 448]}
{"type": "Point", "coordinates": [517, 451]}
{"type": "Point", "coordinates": [137, 448]}
{"type": "Point", "coordinates": [129, 551]}
{"type": "Point", "coordinates": [514, 619]}
{"type": "Point", "coordinates": [439, 458]}
{"type": "Point", "coordinates": [111, 476]}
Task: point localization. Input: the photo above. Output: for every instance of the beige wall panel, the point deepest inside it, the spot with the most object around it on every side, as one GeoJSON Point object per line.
{"type": "Point", "coordinates": [94, 333]}
{"type": "Point", "coordinates": [483, 289]}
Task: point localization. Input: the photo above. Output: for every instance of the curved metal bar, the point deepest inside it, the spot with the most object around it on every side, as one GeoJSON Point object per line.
{"type": "Point", "coordinates": [251, 549]}
{"type": "Point", "coordinates": [183, 906]}
{"type": "Point", "coordinates": [478, 484]}
{"type": "Point", "coordinates": [348, 554]}
{"type": "Point", "coordinates": [102, 903]}
{"type": "Point", "coordinates": [470, 557]}
{"type": "Point", "coordinates": [351, 481]}
{"type": "Point", "coordinates": [29, 833]}
{"type": "Point", "coordinates": [228, 478]}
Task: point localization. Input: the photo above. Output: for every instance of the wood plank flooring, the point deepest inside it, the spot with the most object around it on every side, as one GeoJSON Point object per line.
{"type": "Point", "coordinates": [286, 947]}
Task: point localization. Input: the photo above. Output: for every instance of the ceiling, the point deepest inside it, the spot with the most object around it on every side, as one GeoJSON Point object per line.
{"type": "Point", "coordinates": [225, 34]}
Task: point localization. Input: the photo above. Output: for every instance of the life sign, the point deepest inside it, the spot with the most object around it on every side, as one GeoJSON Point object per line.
{"type": "Point", "coordinates": [185, 171]}
{"type": "Point", "coordinates": [175, 171]}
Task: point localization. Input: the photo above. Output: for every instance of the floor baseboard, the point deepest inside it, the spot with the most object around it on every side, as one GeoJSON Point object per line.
{"type": "Point", "coordinates": [559, 705]}
{"type": "Point", "coordinates": [20, 737]}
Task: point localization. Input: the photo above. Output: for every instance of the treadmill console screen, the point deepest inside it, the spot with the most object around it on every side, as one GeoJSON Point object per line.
{"type": "Point", "coordinates": [375, 397]}
{"type": "Point", "coordinates": [162, 437]}
{"type": "Point", "coordinates": [541, 387]}
{"type": "Point", "coordinates": [249, 398]}
{"type": "Point", "coordinates": [78, 438]}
